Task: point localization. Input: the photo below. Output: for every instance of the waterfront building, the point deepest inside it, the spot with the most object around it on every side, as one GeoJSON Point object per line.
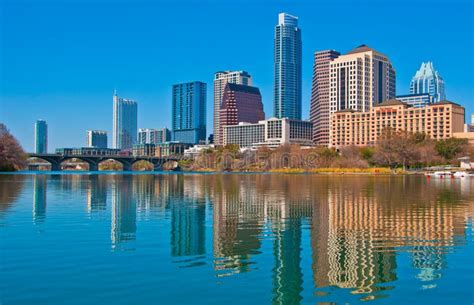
{"type": "Point", "coordinates": [438, 121]}
{"type": "Point", "coordinates": [145, 149]}
{"type": "Point", "coordinates": [153, 136]}
{"type": "Point", "coordinates": [272, 132]}
{"type": "Point", "coordinates": [195, 150]}
{"type": "Point", "coordinates": [221, 79]}
{"type": "Point", "coordinates": [360, 79]}
{"type": "Point", "coordinates": [240, 103]}
{"type": "Point", "coordinates": [320, 99]}
{"type": "Point", "coordinates": [189, 112]}
{"type": "Point", "coordinates": [287, 68]}
{"type": "Point", "coordinates": [416, 100]}
{"type": "Point", "coordinates": [124, 123]}
{"type": "Point", "coordinates": [172, 148]}
{"type": "Point", "coordinates": [97, 138]}
{"type": "Point", "coordinates": [428, 80]}
{"type": "Point", "coordinates": [41, 137]}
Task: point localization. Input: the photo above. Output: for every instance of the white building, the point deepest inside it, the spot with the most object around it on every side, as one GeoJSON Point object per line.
{"type": "Point", "coordinates": [221, 78]}
{"type": "Point", "coordinates": [195, 150]}
{"type": "Point", "coordinates": [153, 136]}
{"type": "Point", "coordinates": [272, 132]}
{"type": "Point", "coordinates": [360, 79]}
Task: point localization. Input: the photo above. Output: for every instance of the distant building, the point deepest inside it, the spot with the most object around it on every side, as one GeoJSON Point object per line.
{"type": "Point", "coordinates": [97, 138]}
{"type": "Point", "coordinates": [272, 132]}
{"type": "Point", "coordinates": [360, 79]}
{"type": "Point", "coordinates": [168, 149]}
{"type": "Point", "coordinates": [148, 149]}
{"type": "Point", "coordinates": [320, 97]}
{"type": "Point", "coordinates": [240, 103]}
{"type": "Point", "coordinates": [287, 68]}
{"type": "Point", "coordinates": [195, 150]}
{"type": "Point", "coordinates": [210, 139]}
{"type": "Point", "coordinates": [153, 136]}
{"type": "Point", "coordinates": [41, 137]}
{"type": "Point", "coordinates": [124, 123]}
{"type": "Point", "coordinates": [439, 121]}
{"type": "Point", "coordinates": [416, 100]}
{"type": "Point", "coordinates": [221, 79]}
{"type": "Point", "coordinates": [189, 112]}
{"type": "Point", "coordinates": [428, 80]}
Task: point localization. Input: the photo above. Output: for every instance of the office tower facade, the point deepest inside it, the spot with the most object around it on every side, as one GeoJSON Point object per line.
{"type": "Point", "coordinates": [153, 136]}
{"type": "Point", "coordinates": [221, 79]}
{"type": "Point", "coordinates": [360, 79]}
{"type": "Point", "coordinates": [41, 137]}
{"type": "Point", "coordinates": [319, 109]}
{"type": "Point", "coordinates": [416, 100]}
{"type": "Point", "coordinates": [428, 80]}
{"type": "Point", "coordinates": [438, 121]}
{"type": "Point", "coordinates": [287, 66]}
{"type": "Point", "coordinates": [124, 123]}
{"type": "Point", "coordinates": [189, 112]}
{"type": "Point", "coordinates": [97, 138]}
{"type": "Point", "coordinates": [240, 103]}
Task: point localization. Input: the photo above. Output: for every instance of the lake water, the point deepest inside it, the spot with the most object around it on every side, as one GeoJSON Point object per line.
{"type": "Point", "coordinates": [235, 239]}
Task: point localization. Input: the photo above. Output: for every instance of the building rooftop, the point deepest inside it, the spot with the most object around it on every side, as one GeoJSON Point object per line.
{"type": "Point", "coordinates": [445, 102]}
{"type": "Point", "coordinates": [392, 102]}
{"type": "Point", "coordinates": [360, 49]}
{"type": "Point", "coordinates": [243, 88]}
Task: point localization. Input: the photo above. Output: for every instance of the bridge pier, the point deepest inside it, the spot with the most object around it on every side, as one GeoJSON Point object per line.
{"type": "Point", "coordinates": [93, 167]}
{"type": "Point", "coordinates": [127, 167]}
{"type": "Point", "coordinates": [55, 167]}
{"type": "Point", "coordinates": [157, 167]}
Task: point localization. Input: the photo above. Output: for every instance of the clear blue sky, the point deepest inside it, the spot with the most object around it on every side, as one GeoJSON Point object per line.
{"type": "Point", "coordinates": [61, 60]}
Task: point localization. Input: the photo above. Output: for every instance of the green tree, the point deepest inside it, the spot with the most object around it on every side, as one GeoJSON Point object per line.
{"type": "Point", "coordinates": [450, 148]}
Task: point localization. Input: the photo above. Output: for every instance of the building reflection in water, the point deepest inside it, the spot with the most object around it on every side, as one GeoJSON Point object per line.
{"type": "Point", "coordinates": [97, 193]}
{"type": "Point", "coordinates": [39, 198]}
{"type": "Point", "coordinates": [124, 211]}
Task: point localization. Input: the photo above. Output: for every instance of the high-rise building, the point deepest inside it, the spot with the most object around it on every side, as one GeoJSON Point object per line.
{"type": "Point", "coordinates": [360, 79]}
{"type": "Point", "coordinates": [221, 78]}
{"type": "Point", "coordinates": [428, 80]}
{"type": "Point", "coordinates": [125, 123]}
{"type": "Point", "coordinates": [189, 112]}
{"type": "Point", "coordinates": [240, 103]}
{"type": "Point", "coordinates": [41, 137]}
{"type": "Point", "coordinates": [153, 136]}
{"type": "Point", "coordinates": [319, 111]}
{"type": "Point", "coordinates": [287, 61]}
{"type": "Point", "coordinates": [97, 138]}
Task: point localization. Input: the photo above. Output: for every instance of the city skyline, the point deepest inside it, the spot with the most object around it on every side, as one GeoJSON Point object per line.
{"type": "Point", "coordinates": [157, 104]}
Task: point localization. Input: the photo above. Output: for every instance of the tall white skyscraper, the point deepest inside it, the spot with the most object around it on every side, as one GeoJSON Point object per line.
{"type": "Point", "coordinates": [287, 68]}
{"type": "Point", "coordinates": [360, 79]}
{"type": "Point", "coordinates": [428, 80]}
{"type": "Point", "coordinates": [221, 78]}
{"type": "Point", "coordinates": [124, 123]}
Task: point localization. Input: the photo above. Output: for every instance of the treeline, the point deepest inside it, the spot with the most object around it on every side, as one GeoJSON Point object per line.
{"type": "Point", "coordinates": [395, 149]}
{"type": "Point", "coordinates": [12, 156]}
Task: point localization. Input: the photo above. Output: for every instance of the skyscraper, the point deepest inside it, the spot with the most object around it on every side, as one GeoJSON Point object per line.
{"type": "Point", "coordinates": [97, 138]}
{"type": "Point", "coordinates": [189, 112]}
{"type": "Point", "coordinates": [287, 61]}
{"type": "Point", "coordinates": [125, 123]}
{"type": "Point", "coordinates": [41, 137]}
{"type": "Point", "coordinates": [319, 111]}
{"type": "Point", "coordinates": [360, 79]}
{"type": "Point", "coordinates": [428, 80]}
{"type": "Point", "coordinates": [221, 78]}
{"type": "Point", "coordinates": [240, 103]}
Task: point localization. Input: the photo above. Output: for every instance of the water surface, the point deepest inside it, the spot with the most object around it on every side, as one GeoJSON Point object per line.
{"type": "Point", "coordinates": [235, 239]}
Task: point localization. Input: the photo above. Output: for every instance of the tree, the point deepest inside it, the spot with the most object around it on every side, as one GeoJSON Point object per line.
{"type": "Point", "coordinates": [12, 156]}
{"type": "Point", "coordinates": [450, 148]}
{"type": "Point", "coordinates": [395, 148]}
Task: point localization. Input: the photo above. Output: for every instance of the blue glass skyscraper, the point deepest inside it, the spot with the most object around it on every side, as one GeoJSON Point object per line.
{"type": "Point", "coordinates": [125, 123]}
{"type": "Point", "coordinates": [287, 60]}
{"type": "Point", "coordinates": [41, 137]}
{"type": "Point", "coordinates": [189, 112]}
{"type": "Point", "coordinates": [428, 80]}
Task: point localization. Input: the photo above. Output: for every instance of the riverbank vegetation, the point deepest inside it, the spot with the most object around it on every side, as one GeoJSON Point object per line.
{"type": "Point", "coordinates": [12, 156]}
{"type": "Point", "coordinates": [395, 151]}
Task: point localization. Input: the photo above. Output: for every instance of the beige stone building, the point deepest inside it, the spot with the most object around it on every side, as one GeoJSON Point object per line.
{"type": "Point", "coordinates": [439, 121]}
